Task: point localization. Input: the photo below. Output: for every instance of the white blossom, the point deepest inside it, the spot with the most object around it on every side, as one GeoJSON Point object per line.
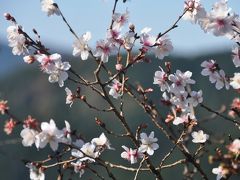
{"type": "Point", "coordinates": [104, 49]}
{"type": "Point", "coordinates": [80, 46]}
{"type": "Point", "coordinates": [16, 40]}
{"type": "Point", "coordinates": [234, 146]}
{"type": "Point", "coordinates": [146, 39]}
{"type": "Point", "coordinates": [131, 154]}
{"type": "Point", "coordinates": [49, 7]}
{"type": "Point", "coordinates": [219, 20]}
{"type": "Point", "coordinates": [59, 73]}
{"type": "Point", "coordinates": [235, 81]}
{"type": "Point", "coordinates": [35, 173]}
{"type": "Point", "coordinates": [128, 40]}
{"type": "Point", "coordinates": [219, 171]}
{"type": "Point", "coordinates": [161, 78]}
{"type": "Point", "coordinates": [79, 167]}
{"type": "Point", "coordinates": [102, 141]}
{"type": "Point", "coordinates": [163, 48]}
{"type": "Point", "coordinates": [69, 97]}
{"type": "Point", "coordinates": [180, 80]}
{"type": "Point", "coordinates": [120, 19]}
{"type": "Point", "coordinates": [115, 89]}
{"type": "Point", "coordinates": [28, 136]}
{"type": "Point", "coordinates": [199, 137]}
{"type": "Point", "coordinates": [148, 143]}
{"type": "Point", "coordinates": [195, 11]}
{"type": "Point", "coordinates": [196, 98]}
{"type": "Point", "coordinates": [236, 56]}
{"type": "Point", "coordinates": [49, 134]}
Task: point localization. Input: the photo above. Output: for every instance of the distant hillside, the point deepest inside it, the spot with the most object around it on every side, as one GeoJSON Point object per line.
{"type": "Point", "coordinates": [29, 92]}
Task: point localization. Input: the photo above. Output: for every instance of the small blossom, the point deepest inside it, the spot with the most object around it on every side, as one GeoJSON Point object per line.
{"type": "Point", "coordinates": [116, 89]}
{"type": "Point", "coordinates": [234, 147]}
{"type": "Point", "coordinates": [120, 19]}
{"type": "Point", "coordinates": [196, 98]}
{"type": "Point", "coordinates": [235, 81]}
{"type": "Point", "coordinates": [219, 20]}
{"type": "Point", "coordinates": [69, 97]}
{"type": "Point", "coordinates": [50, 134]}
{"type": "Point", "coordinates": [35, 173]}
{"type": "Point", "coordinates": [80, 46]}
{"type": "Point", "coordinates": [236, 56]}
{"type": "Point", "coordinates": [161, 79]}
{"type": "Point", "coordinates": [128, 40]}
{"type": "Point", "coordinates": [102, 141]}
{"type": "Point", "coordinates": [30, 122]}
{"type": "Point", "coordinates": [163, 48]}
{"type": "Point", "coordinates": [3, 107]}
{"type": "Point", "coordinates": [104, 49]}
{"type": "Point", "coordinates": [131, 154]}
{"type": "Point", "coordinates": [199, 137]}
{"type": "Point", "coordinates": [49, 7]}
{"type": "Point", "coordinates": [220, 172]}
{"type": "Point", "coordinates": [29, 59]}
{"type": "Point", "coordinates": [195, 11]}
{"type": "Point", "coordinates": [89, 150]}
{"type": "Point", "coordinates": [184, 118]}
{"type": "Point", "coordinates": [47, 62]}
{"type": "Point", "coordinates": [146, 39]}
{"type": "Point", "coordinates": [9, 126]}
{"type": "Point", "coordinates": [180, 80]}
{"type": "Point", "coordinates": [79, 167]}
{"type": "Point", "coordinates": [149, 144]}
{"type": "Point", "coordinates": [66, 138]}
{"type": "Point", "coordinates": [59, 74]}
{"type": "Point", "coordinates": [17, 41]}
{"type": "Point", "coordinates": [28, 136]}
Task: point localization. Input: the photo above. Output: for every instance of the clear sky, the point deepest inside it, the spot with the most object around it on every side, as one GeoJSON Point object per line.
{"type": "Point", "coordinates": [95, 16]}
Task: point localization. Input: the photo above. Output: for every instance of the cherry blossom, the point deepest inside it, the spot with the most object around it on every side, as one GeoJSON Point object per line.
{"type": "Point", "coordinates": [128, 40]}
{"type": "Point", "coordinates": [199, 137]}
{"type": "Point", "coordinates": [180, 80]}
{"type": "Point", "coordinates": [104, 49]}
{"type": "Point", "coordinates": [49, 134]}
{"type": "Point", "coordinates": [219, 20]}
{"type": "Point", "coordinates": [220, 172]}
{"type": "Point", "coordinates": [236, 56]}
{"type": "Point", "coordinates": [131, 154]}
{"type": "Point", "coordinates": [17, 41]}
{"type": "Point", "coordinates": [29, 59]}
{"type": "Point", "coordinates": [115, 89]}
{"type": "Point", "coordinates": [161, 79]}
{"type": "Point", "coordinates": [79, 167]}
{"type": "Point", "coordinates": [234, 147]}
{"type": "Point", "coordinates": [184, 118]}
{"type": "Point", "coordinates": [69, 97]}
{"type": "Point", "coordinates": [163, 47]}
{"type": "Point", "coordinates": [35, 173]}
{"type": "Point", "coordinates": [102, 141]}
{"type": "Point", "coordinates": [149, 144]}
{"type": "Point", "coordinates": [9, 126]}
{"type": "Point", "coordinates": [3, 107]}
{"type": "Point", "coordinates": [196, 98]}
{"type": "Point", "coordinates": [235, 81]}
{"type": "Point", "coordinates": [49, 7]}
{"type": "Point", "coordinates": [28, 136]}
{"type": "Point", "coordinates": [146, 39]}
{"type": "Point", "coordinates": [195, 11]}
{"type": "Point", "coordinates": [120, 19]}
{"type": "Point", "coordinates": [59, 74]}
{"type": "Point", "coordinates": [216, 75]}
{"type": "Point", "coordinates": [80, 46]}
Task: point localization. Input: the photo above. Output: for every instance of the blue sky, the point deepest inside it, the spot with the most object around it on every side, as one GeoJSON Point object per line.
{"type": "Point", "coordinates": [95, 16]}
